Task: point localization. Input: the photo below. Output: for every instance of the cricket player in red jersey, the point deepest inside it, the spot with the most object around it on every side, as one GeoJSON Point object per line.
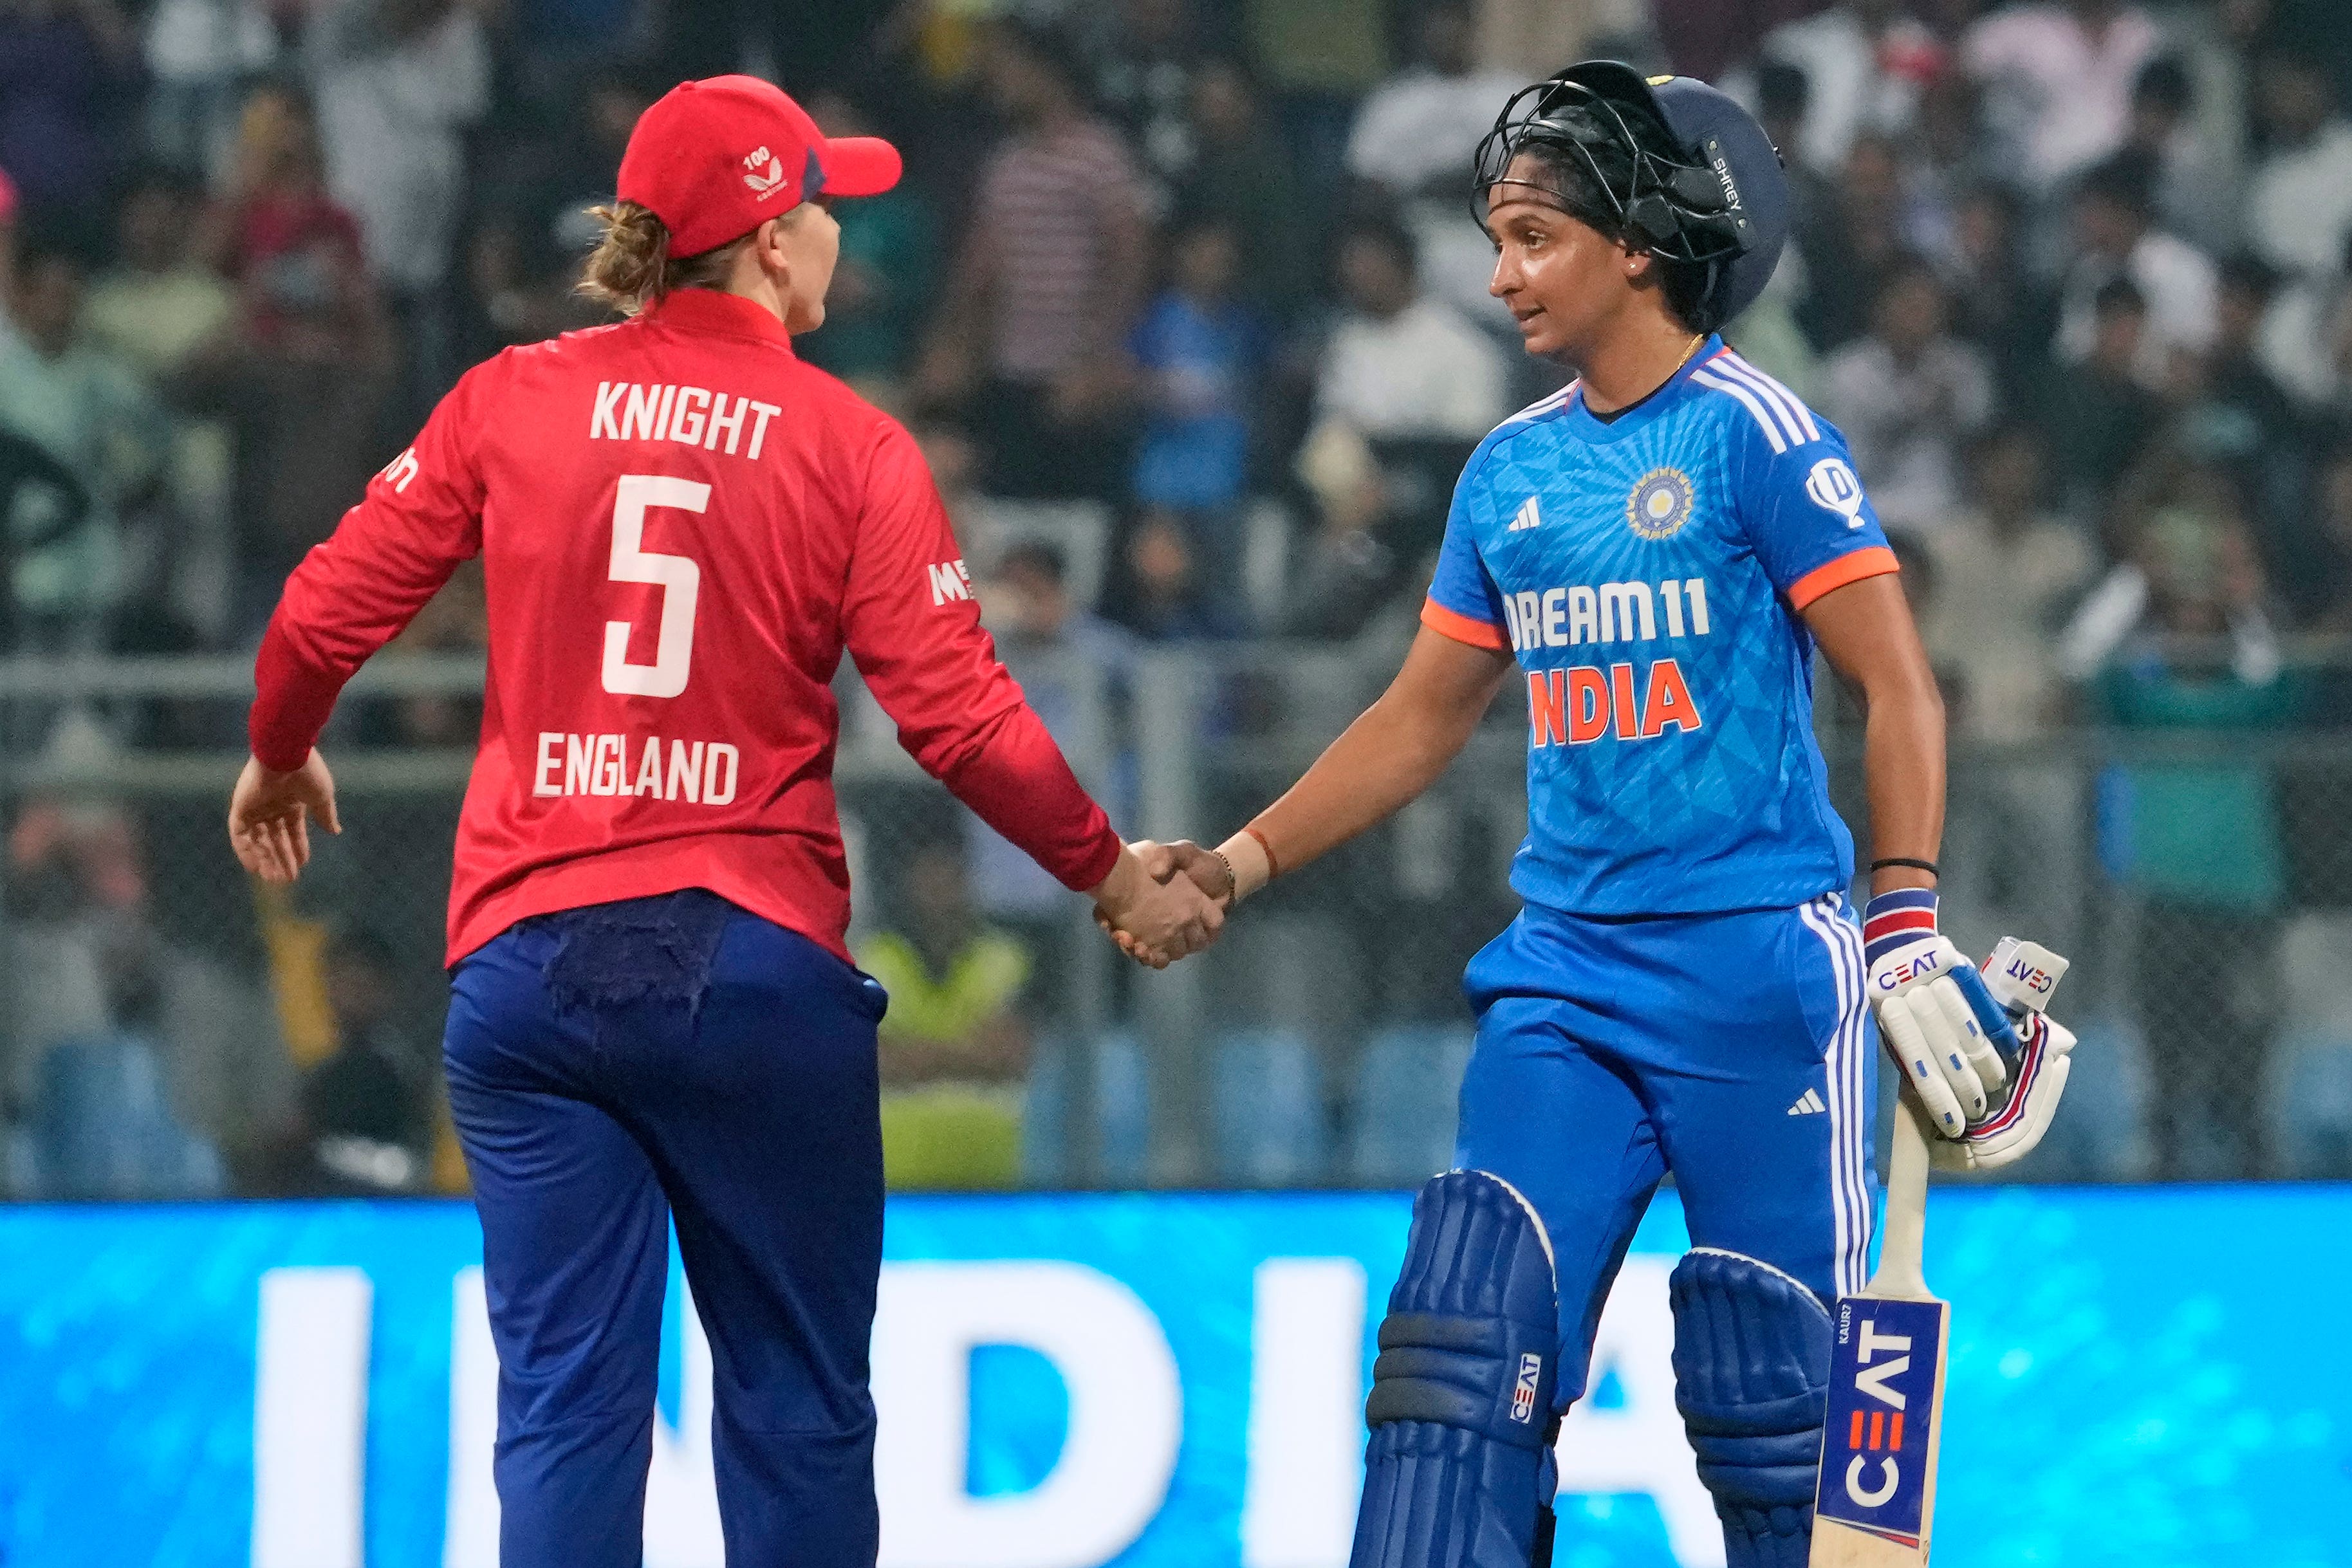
{"type": "Point", "coordinates": [653, 1015]}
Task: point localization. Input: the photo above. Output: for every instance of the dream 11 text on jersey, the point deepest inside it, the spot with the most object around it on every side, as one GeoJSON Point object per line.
{"type": "Point", "coordinates": [1581, 703]}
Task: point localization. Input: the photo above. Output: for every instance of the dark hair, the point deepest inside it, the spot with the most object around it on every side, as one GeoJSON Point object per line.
{"type": "Point", "coordinates": [1388, 235]}
{"type": "Point", "coordinates": [1687, 286]}
{"type": "Point", "coordinates": [1050, 46]}
{"type": "Point", "coordinates": [362, 947]}
{"type": "Point", "coordinates": [1782, 89]}
{"type": "Point", "coordinates": [2243, 272]}
{"type": "Point", "coordinates": [1907, 267]}
{"type": "Point", "coordinates": [2127, 180]}
{"type": "Point", "coordinates": [2164, 83]}
{"type": "Point", "coordinates": [2118, 293]}
{"type": "Point", "coordinates": [1037, 555]}
{"type": "Point", "coordinates": [632, 267]}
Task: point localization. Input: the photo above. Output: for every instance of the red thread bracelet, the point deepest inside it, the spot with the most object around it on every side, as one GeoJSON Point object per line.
{"type": "Point", "coordinates": [1273, 866]}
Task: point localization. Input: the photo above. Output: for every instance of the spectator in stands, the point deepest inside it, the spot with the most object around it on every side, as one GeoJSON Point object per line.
{"type": "Point", "coordinates": [1866, 62]}
{"type": "Point", "coordinates": [1242, 172]}
{"type": "Point", "coordinates": [397, 84]}
{"type": "Point", "coordinates": [303, 385]}
{"type": "Point", "coordinates": [1164, 595]}
{"type": "Point", "coordinates": [1200, 354]}
{"type": "Point", "coordinates": [2116, 236]}
{"type": "Point", "coordinates": [11, 208]}
{"type": "Point", "coordinates": [293, 251]}
{"type": "Point", "coordinates": [1074, 667]}
{"type": "Point", "coordinates": [103, 1123]}
{"type": "Point", "coordinates": [1402, 364]}
{"type": "Point", "coordinates": [1409, 152]}
{"type": "Point", "coordinates": [2238, 416]}
{"type": "Point", "coordinates": [1865, 232]}
{"type": "Point", "coordinates": [2058, 78]}
{"type": "Point", "coordinates": [67, 70]}
{"type": "Point", "coordinates": [2178, 640]}
{"type": "Point", "coordinates": [159, 304]}
{"type": "Point", "coordinates": [887, 262]}
{"type": "Point", "coordinates": [1910, 397]}
{"type": "Point", "coordinates": [2299, 201]}
{"type": "Point", "coordinates": [2196, 194]}
{"type": "Point", "coordinates": [955, 1044]}
{"type": "Point", "coordinates": [201, 56]}
{"type": "Point", "coordinates": [2325, 555]}
{"type": "Point", "coordinates": [90, 411]}
{"type": "Point", "coordinates": [455, 620]}
{"type": "Point", "coordinates": [161, 308]}
{"type": "Point", "coordinates": [1047, 284]}
{"type": "Point", "coordinates": [1998, 304]}
{"type": "Point", "coordinates": [364, 1116]}
{"type": "Point", "coordinates": [532, 222]}
{"type": "Point", "coordinates": [2008, 565]}
{"type": "Point", "coordinates": [1141, 57]}
{"type": "Point", "coordinates": [1343, 570]}
{"type": "Point", "coordinates": [2099, 416]}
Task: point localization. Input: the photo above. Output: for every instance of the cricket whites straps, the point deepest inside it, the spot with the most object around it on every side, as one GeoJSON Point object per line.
{"type": "Point", "coordinates": [1874, 1502]}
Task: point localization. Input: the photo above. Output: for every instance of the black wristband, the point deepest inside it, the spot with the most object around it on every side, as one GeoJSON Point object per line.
{"type": "Point", "coordinates": [1928, 866]}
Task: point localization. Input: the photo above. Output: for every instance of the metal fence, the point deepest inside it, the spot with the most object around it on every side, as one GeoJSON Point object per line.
{"type": "Point", "coordinates": [2193, 878]}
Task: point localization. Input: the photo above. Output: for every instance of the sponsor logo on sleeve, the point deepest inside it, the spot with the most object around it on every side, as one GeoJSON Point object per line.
{"type": "Point", "coordinates": [950, 580]}
{"type": "Point", "coordinates": [1833, 485]}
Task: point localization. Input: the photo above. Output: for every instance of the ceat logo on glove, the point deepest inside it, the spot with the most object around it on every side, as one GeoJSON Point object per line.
{"type": "Point", "coordinates": [1909, 968]}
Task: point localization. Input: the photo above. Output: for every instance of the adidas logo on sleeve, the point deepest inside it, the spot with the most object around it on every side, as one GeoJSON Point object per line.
{"type": "Point", "coordinates": [1809, 1103]}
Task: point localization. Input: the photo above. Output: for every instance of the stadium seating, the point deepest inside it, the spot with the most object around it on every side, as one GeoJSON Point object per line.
{"type": "Point", "coordinates": [1266, 1111]}
{"type": "Point", "coordinates": [1407, 1081]}
{"type": "Point", "coordinates": [102, 1127]}
{"type": "Point", "coordinates": [1123, 1102]}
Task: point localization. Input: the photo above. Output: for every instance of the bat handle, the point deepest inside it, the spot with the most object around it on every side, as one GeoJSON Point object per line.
{"type": "Point", "coordinates": [1901, 1272]}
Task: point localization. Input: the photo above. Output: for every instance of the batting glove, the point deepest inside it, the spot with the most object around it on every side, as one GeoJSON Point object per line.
{"type": "Point", "coordinates": [2020, 976]}
{"type": "Point", "coordinates": [1935, 1013]}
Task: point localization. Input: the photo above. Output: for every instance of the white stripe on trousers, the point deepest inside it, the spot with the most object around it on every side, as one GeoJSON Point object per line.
{"type": "Point", "coordinates": [1848, 1118]}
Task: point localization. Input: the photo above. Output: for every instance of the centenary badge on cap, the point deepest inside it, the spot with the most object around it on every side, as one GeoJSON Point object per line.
{"type": "Point", "coordinates": [1660, 504]}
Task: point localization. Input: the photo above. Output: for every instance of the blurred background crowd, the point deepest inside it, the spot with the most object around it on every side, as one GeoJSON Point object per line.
{"type": "Point", "coordinates": [1185, 301]}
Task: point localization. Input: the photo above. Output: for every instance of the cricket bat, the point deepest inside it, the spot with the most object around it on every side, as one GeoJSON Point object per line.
{"type": "Point", "coordinates": [1874, 1504]}
{"type": "Point", "coordinates": [1875, 1501]}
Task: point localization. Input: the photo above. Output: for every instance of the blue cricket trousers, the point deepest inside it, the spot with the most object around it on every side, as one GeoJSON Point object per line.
{"type": "Point", "coordinates": [705, 1064]}
{"type": "Point", "coordinates": [1735, 1051]}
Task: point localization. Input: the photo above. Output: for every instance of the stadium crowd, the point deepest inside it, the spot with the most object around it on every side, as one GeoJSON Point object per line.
{"type": "Point", "coordinates": [1185, 302]}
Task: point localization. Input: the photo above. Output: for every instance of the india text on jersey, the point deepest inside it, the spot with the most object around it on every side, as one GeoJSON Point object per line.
{"type": "Point", "coordinates": [1582, 703]}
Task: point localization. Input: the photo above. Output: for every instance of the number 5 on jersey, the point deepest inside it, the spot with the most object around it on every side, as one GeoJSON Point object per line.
{"type": "Point", "coordinates": [679, 580]}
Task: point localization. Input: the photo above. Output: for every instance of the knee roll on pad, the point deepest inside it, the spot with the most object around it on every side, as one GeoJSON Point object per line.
{"type": "Point", "coordinates": [1752, 1379]}
{"type": "Point", "coordinates": [1461, 1402]}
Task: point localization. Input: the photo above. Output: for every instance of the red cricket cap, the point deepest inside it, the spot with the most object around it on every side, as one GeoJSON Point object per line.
{"type": "Point", "coordinates": [715, 159]}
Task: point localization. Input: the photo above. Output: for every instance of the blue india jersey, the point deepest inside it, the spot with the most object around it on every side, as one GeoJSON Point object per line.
{"type": "Point", "coordinates": [1648, 574]}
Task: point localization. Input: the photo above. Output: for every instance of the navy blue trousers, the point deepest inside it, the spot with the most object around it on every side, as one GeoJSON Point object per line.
{"type": "Point", "coordinates": [735, 1092]}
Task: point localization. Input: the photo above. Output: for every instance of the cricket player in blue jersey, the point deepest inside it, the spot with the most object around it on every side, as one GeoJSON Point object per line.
{"type": "Point", "coordinates": [1657, 552]}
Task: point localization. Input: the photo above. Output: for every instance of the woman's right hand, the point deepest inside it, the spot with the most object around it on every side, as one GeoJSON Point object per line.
{"type": "Point", "coordinates": [1155, 922]}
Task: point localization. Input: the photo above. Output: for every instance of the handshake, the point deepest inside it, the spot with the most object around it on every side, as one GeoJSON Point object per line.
{"type": "Point", "coordinates": [1166, 901]}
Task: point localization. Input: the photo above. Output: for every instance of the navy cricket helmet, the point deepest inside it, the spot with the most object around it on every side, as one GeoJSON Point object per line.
{"type": "Point", "coordinates": [1668, 164]}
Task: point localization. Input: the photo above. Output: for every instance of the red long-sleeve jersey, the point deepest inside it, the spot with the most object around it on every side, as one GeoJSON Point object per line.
{"type": "Point", "coordinates": [681, 528]}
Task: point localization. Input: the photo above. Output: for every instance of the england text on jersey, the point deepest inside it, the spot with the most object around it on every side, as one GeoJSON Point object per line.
{"type": "Point", "coordinates": [700, 773]}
